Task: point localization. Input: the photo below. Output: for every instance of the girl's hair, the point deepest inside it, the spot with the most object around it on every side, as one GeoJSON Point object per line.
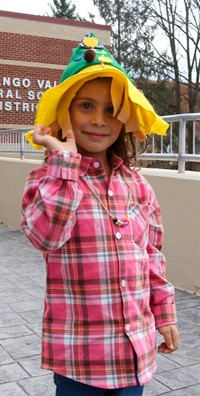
{"type": "Point", "coordinates": [124, 147]}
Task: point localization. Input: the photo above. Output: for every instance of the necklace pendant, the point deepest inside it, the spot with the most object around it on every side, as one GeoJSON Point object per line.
{"type": "Point", "coordinates": [120, 223]}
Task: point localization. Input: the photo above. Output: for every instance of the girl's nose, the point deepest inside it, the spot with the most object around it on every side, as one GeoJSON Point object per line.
{"type": "Point", "coordinates": [98, 118]}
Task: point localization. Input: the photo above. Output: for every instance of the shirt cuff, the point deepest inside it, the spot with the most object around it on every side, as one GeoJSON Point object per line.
{"type": "Point", "coordinates": [63, 165]}
{"type": "Point", "coordinates": [164, 315]}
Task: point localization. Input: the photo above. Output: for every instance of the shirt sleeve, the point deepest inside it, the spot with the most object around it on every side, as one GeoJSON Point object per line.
{"type": "Point", "coordinates": [50, 199]}
{"type": "Point", "coordinates": [162, 292]}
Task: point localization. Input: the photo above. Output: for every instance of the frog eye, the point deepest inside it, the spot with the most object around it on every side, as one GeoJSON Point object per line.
{"type": "Point", "coordinates": [104, 59]}
{"type": "Point", "coordinates": [90, 42]}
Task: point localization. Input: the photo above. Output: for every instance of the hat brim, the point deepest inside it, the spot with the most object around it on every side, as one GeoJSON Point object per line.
{"type": "Point", "coordinates": [140, 118]}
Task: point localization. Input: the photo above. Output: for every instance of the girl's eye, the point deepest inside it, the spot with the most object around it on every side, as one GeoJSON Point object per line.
{"type": "Point", "coordinates": [110, 110]}
{"type": "Point", "coordinates": [86, 106]}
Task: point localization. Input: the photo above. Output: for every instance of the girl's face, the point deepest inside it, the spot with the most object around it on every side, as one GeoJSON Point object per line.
{"type": "Point", "coordinates": [91, 114]}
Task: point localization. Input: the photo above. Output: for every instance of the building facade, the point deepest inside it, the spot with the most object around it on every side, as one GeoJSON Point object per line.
{"type": "Point", "coordinates": [34, 51]}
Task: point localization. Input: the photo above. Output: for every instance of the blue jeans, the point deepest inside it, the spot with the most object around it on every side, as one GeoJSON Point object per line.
{"type": "Point", "coordinates": [67, 387]}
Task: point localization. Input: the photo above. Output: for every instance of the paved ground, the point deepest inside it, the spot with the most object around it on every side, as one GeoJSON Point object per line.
{"type": "Point", "coordinates": [22, 273]}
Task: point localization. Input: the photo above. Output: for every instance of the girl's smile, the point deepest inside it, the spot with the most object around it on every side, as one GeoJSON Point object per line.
{"type": "Point", "coordinates": [95, 134]}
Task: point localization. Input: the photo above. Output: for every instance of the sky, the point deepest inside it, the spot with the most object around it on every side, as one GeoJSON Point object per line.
{"type": "Point", "coordinates": [40, 7]}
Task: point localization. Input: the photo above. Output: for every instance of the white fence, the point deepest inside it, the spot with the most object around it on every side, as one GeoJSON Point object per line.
{"type": "Point", "coordinates": [184, 132]}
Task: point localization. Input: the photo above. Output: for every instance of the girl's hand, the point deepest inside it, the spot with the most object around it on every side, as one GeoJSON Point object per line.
{"type": "Point", "coordinates": [171, 336]}
{"type": "Point", "coordinates": [41, 136]}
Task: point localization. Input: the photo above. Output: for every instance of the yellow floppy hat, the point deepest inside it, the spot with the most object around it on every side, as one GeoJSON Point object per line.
{"type": "Point", "coordinates": [92, 60]}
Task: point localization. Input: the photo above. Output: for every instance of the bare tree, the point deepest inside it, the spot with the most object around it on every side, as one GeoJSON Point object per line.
{"type": "Point", "coordinates": [131, 35]}
{"type": "Point", "coordinates": [179, 24]}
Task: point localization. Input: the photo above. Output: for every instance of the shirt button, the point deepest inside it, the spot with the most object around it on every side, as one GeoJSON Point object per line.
{"type": "Point", "coordinates": [110, 193]}
{"type": "Point", "coordinates": [118, 235]}
{"type": "Point", "coordinates": [96, 164]}
{"type": "Point", "coordinates": [128, 327]}
{"type": "Point", "coordinates": [123, 283]}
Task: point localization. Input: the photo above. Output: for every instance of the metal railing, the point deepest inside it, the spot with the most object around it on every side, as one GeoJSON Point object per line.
{"type": "Point", "coordinates": [181, 143]}
{"type": "Point", "coordinates": [13, 141]}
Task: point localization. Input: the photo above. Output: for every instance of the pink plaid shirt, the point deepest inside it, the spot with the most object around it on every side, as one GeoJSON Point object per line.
{"type": "Point", "coordinates": [106, 287]}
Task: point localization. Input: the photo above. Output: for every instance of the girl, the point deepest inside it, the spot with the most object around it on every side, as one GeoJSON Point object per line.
{"type": "Point", "coordinates": [98, 224]}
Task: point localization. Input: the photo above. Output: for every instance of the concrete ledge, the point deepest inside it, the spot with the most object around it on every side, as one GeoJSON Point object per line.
{"type": "Point", "coordinates": [170, 173]}
{"type": "Point", "coordinates": [13, 173]}
{"type": "Point", "coordinates": [179, 198]}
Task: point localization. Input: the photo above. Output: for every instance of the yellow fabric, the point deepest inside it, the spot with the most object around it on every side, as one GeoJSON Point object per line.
{"type": "Point", "coordinates": [124, 113]}
{"type": "Point", "coordinates": [117, 89]}
{"type": "Point", "coordinates": [130, 105]}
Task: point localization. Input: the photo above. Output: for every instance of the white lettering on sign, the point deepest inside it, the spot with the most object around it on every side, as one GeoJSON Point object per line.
{"type": "Point", "coordinates": [16, 88]}
{"type": "Point", "coordinates": [6, 81]}
{"type": "Point", "coordinates": [46, 84]}
{"type": "Point", "coordinates": [39, 94]}
{"type": "Point", "coordinates": [9, 94]}
{"type": "Point", "coordinates": [24, 83]}
{"type": "Point", "coordinates": [17, 96]}
{"type": "Point", "coordinates": [18, 106]}
{"type": "Point", "coordinates": [31, 95]}
{"type": "Point", "coordinates": [8, 106]}
{"type": "Point", "coordinates": [16, 82]}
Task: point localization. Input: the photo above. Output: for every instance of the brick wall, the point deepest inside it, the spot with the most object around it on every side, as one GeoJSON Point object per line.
{"type": "Point", "coordinates": [34, 51]}
{"type": "Point", "coordinates": [21, 91]}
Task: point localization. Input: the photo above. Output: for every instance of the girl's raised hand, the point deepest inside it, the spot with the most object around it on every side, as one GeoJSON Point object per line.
{"type": "Point", "coordinates": [42, 137]}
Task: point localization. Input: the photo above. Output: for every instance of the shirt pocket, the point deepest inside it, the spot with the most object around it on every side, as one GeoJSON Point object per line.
{"type": "Point", "coordinates": [139, 217]}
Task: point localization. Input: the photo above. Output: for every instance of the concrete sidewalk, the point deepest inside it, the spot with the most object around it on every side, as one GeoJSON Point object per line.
{"type": "Point", "coordinates": [22, 279]}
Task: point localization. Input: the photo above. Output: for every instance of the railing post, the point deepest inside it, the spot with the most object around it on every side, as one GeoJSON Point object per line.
{"type": "Point", "coordinates": [22, 145]}
{"type": "Point", "coordinates": [181, 145]}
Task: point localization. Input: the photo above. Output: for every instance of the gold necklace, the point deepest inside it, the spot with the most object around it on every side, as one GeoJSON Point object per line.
{"type": "Point", "coordinates": [118, 222]}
